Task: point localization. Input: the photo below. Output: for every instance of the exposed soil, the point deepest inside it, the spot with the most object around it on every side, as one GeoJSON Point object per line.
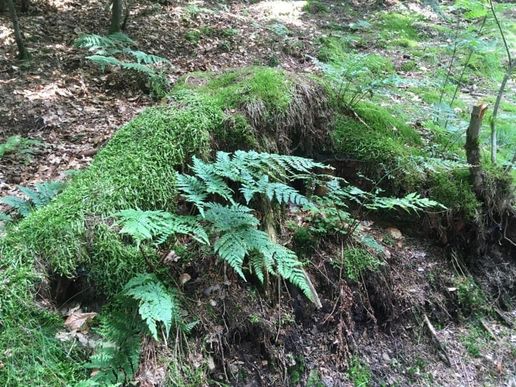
{"type": "Point", "coordinates": [381, 319]}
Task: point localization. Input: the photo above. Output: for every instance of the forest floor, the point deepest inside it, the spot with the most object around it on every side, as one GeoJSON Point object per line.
{"type": "Point", "coordinates": [67, 109]}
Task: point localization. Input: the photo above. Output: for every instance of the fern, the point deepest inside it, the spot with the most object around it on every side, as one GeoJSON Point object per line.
{"type": "Point", "coordinates": [35, 198]}
{"type": "Point", "coordinates": [155, 303]}
{"type": "Point", "coordinates": [226, 218]}
{"type": "Point", "coordinates": [412, 201]}
{"type": "Point", "coordinates": [117, 356]}
{"type": "Point", "coordinates": [159, 225]}
{"type": "Point", "coordinates": [95, 42]}
{"type": "Point", "coordinates": [115, 50]}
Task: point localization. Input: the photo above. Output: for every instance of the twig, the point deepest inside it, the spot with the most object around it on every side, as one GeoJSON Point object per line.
{"type": "Point", "coordinates": [488, 330]}
{"type": "Point", "coordinates": [435, 337]}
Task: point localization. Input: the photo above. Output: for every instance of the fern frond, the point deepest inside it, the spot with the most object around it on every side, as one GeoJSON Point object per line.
{"type": "Point", "coordinates": [104, 61]}
{"type": "Point", "coordinates": [232, 248]}
{"type": "Point", "coordinates": [22, 206]}
{"type": "Point", "coordinates": [290, 268]}
{"type": "Point", "coordinates": [156, 304]}
{"type": "Point", "coordinates": [194, 190]}
{"type": "Point", "coordinates": [226, 218]}
{"type": "Point", "coordinates": [285, 194]}
{"type": "Point", "coordinates": [143, 57]}
{"type": "Point", "coordinates": [142, 68]}
{"type": "Point", "coordinates": [94, 42]}
{"type": "Point", "coordinates": [147, 225]}
{"type": "Point", "coordinates": [412, 201]}
{"type": "Point", "coordinates": [214, 183]}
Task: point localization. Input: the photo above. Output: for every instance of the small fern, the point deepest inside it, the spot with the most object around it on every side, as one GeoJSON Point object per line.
{"type": "Point", "coordinates": [159, 225]}
{"type": "Point", "coordinates": [35, 198]}
{"type": "Point", "coordinates": [117, 50]}
{"type": "Point", "coordinates": [155, 303]}
{"type": "Point", "coordinates": [116, 358]}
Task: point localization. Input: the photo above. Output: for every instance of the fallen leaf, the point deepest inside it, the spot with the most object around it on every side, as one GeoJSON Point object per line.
{"type": "Point", "coordinates": [395, 233]}
{"type": "Point", "coordinates": [184, 278]}
{"type": "Point", "coordinates": [78, 321]}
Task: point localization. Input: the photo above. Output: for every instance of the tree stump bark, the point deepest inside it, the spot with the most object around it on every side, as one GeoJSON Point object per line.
{"type": "Point", "coordinates": [473, 149]}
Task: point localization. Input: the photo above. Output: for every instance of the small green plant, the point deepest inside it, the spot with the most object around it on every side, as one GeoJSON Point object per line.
{"type": "Point", "coordinates": [471, 297]}
{"type": "Point", "coordinates": [297, 370]}
{"type": "Point", "coordinates": [314, 379]}
{"type": "Point", "coordinates": [315, 6]}
{"type": "Point", "coordinates": [144, 306]}
{"type": "Point", "coordinates": [17, 144]}
{"type": "Point", "coordinates": [254, 319]}
{"type": "Point", "coordinates": [474, 340]}
{"type": "Point", "coordinates": [263, 178]}
{"type": "Point", "coordinates": [359, 373]}
{"type": "Point", "coordinates": [35, 198]}
{"type": "Point", "coordinates": [118, 50]}
{"type": "Point", "coordinates": [357, 261]}
{"type": "Point", "coordinates": [416, 369]}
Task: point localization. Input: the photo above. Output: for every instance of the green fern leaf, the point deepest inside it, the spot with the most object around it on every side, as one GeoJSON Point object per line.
{"type": "Point", "coordinates": [232, 248]}
{"type": "Point", "coordinates": [22, 206]}
{"type": "Point", "coordinates": [213, 182]}
{"type": "Point", "coordinates": [226, 218]}
{"type": "Point", "coordinates": [155, 303]}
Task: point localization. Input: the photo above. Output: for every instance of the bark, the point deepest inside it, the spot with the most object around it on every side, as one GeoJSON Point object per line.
{"type": "Point", "coordinates": [116, 16]}
{"type": "Point", "coordinates": [494, 144]}
{"type": "Point", "coordinates": [473, 149]}
{"type": "Point", "coordinates": [22, 50]}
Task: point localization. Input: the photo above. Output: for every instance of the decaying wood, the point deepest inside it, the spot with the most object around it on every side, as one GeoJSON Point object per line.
{"type": "Point", "coordinates": [473, 149]}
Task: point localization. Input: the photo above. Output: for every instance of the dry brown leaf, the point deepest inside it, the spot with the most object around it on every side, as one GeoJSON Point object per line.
{"type": "Point", "coordinates": [78, 321]}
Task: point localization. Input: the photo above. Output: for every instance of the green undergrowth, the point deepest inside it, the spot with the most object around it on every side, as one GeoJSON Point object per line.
{"type": "Point", "coordinates": [135, 170]}
{"type": "Point", "coordinates": [75, 232]}
{"type": "Point", "coordinates": [336, 50]}
{"type": "Point", "coordinates": [372, 135]}
{"type": "Point", "coordinates": [396, 29]}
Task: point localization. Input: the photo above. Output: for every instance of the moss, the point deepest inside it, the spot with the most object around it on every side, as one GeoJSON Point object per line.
{"type": "Point", "coordinates": [408, 66]}
{"type": "Point", "coordinates": [452, 188]}
{"type": "Point", "coordinates": [234, 89]}
{"type": "Point", "coordinates": [488, 65]}
{"type": "Point", "coordinates": [398, 25]}
{"type": "Point", "coordinates": [336, 50]}
{"type": "Point", "coordinates": [135, 170]}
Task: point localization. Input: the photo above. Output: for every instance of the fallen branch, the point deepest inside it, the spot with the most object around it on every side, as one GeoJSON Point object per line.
{"type": "Point", "coordinates": [440, 345]}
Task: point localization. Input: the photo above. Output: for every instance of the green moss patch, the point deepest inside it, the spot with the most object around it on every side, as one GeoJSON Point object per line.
{"type": "Point", "coordinates": [233, 89]}
{"type": "Point", "coordinates": [398, 29]}
{"type": "Point", "coordinates": [452, 188]}
{"type": "Point", "coordinates": [335, 50]}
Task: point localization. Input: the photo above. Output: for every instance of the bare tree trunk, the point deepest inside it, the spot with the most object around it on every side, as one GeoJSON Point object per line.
{"type": "Point", "coordinates": [494, 144]}
{"type": "Point", "coordinates": [116, 16]}
{"type": "Point", "coordinates": [473, 149]}
{"type": "Point", "coordinates": [23, 54]}
{"type": "Point", "coordinates": [3, 5]}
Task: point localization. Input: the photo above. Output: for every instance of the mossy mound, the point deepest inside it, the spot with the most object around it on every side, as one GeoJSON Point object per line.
{"type": "Point", "coordinates": [136, 169]}
{"type": "Point", "coordinates": [74, 235]}
{"type": "Point", "coordinates": [256, 108]}
{"type": "Point", "coordinates": [266, 109]}
{"type": "Point", "coordinates": [386, 145]}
